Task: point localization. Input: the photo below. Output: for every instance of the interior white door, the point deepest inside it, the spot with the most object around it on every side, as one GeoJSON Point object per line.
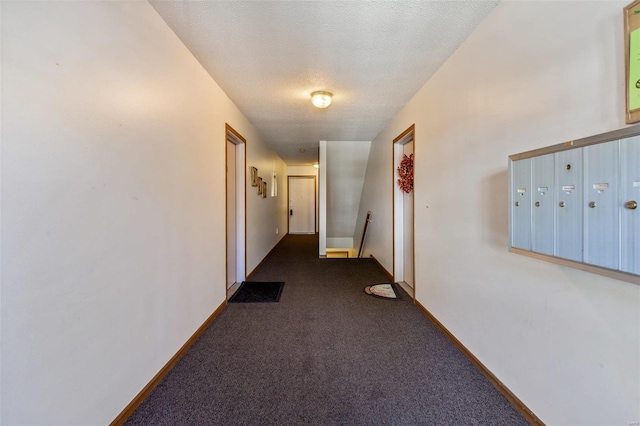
{"type": "Point", "coordinates": [302, 205]}
{"type": "Point", "coordinates": [403, 219]}
{"type": "Point", "coordinates": [407, 225]}
{"type": "Point", "coordinates": [232, 235]}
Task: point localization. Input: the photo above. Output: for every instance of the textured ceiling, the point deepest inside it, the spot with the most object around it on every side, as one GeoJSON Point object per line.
{"type": "Point", "coordinates": [268, 56]}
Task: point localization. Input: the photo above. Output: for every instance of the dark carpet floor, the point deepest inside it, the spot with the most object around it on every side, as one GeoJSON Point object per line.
{"type": "Point", "coordinates": [258, 292]}
{"type": "Point", "coordinates": [326, 354]}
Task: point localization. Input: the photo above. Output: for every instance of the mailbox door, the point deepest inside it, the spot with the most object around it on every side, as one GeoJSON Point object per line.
{"type": "Point", "coordinates": [542, 172]}
{"type": "Point", "coordinates": [521, 204]}
{"type": "Point", "coordinates": [568, 205]}
{"type": "Point", "coordinates": [630, 205]}
{"type": "Point", "coordinates": [601, 209]}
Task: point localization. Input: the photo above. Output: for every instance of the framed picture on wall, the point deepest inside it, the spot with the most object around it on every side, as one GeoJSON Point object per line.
{"type": "Point", "coordinates": [259, 185]}
{"type": "Point", "coordinates": [254, 176]}
{"type": "Point", "coordinates": [632, 61]}
{"type": "Point", "coordinates": [264, 189]}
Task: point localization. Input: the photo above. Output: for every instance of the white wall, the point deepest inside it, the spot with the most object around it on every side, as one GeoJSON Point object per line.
{"type": "Point", "coordinates": [322, 199]}
{"type": "Point", "coordinates": [377, 198]}
{"type": "Point", "coordinates": [533, 74]}
{"type": "Point", "coordinates": [113, 230]}
{"type": "Point", "coordinates": [346, 165]}
{"type": "Point", "coordinates": [264, 215]}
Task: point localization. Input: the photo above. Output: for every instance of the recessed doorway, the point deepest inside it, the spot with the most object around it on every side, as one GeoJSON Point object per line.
{"type": "Point", "coordinates": [235, 210]}
{"type": "Point", "coordinates": [403, 217]}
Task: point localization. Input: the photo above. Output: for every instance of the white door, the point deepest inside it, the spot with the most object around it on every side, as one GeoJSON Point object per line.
{"type": "Point", "coordinates": [302, 204]}
{"type": "Point", "coordinates": [403, 210]}
{"type": "Point", "coordinates": [232, 235]}
{"type": "Point", "coordinates": [407, 225]}
{"type": "Point", "coordinates": [235, 187]}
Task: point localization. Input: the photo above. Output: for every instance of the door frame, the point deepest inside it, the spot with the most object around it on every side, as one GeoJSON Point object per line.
{"type": "Point", "coordinates": [315, 199]}
{"type": "Point", "coordinates": [237, 139]}
{"type": "Point", "coordinates": [397, 243]}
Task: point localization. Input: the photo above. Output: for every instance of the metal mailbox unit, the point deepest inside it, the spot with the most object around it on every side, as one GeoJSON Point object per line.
{"type": "Point", "coordinates": [576, 204]}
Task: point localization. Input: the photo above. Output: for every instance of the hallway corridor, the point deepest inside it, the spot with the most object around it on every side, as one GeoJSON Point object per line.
{"type": "Point", "coordinates": [326, 354]}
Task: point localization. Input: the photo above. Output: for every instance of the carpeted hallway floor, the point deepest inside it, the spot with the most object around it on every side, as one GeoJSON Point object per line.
{"type": "Point", "coordinates": [326, 354]}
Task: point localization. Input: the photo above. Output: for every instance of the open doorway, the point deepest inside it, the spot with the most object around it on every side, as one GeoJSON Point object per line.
{"type": "Point", "coordinates": [235, 181]}
{"type": "Point", "coordinates": [403, 217]}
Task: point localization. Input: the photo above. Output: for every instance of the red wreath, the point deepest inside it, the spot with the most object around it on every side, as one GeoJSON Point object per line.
{"type": "Point", "coordinates": [405, 171]}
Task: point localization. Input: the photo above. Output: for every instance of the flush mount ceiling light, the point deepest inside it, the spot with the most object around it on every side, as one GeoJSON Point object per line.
{"type": "Point", "coordinates": [321, 99]}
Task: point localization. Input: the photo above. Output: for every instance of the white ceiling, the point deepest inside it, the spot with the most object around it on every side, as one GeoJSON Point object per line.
{"type": "Point", "coordinates": [268, 56]}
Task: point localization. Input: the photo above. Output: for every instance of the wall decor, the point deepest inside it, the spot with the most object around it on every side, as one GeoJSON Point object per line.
{"type": "Point", "coordinates": [254, 176]}
{"type": "Point", "coordinates": [632, 61]}
{"type": "Point", "coordinates": [274, 185]}
{"type": "Point", "coordinates": [264, 189]}
{"type": "Point", "coordinates": [259, 185]}
{"type": "Point", "coordinates": [405, 173]}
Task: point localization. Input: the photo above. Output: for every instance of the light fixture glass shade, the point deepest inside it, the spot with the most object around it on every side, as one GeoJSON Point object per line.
{"type": "Point", "coordinates": [321, 99]}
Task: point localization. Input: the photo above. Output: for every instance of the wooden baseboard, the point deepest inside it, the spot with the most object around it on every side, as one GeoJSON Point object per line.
{"type": "Point", "coordinates": [511, 397]}
{"type": "Point", "coordinates": [389, 276]}
{"type": "Point", "coordinates": [334, 254]}
{"type": "Point", "coordinates": [248, 278]}
{"type": "Point", "coordinates": [140, 397]}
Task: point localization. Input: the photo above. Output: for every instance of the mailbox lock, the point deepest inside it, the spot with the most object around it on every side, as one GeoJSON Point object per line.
{"type": "Point", "coordinates": [561, 203]}
{"type": "Point", "coordinates": [517, 203]}
{"type": "Point", "coordinates": [537, 203]}
{"type": "Point", "coordinates": [631, 205]}
{"type": "Point", "coordinates": [592, 204]}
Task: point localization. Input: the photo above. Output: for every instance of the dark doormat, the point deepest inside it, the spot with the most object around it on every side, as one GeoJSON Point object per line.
{"type": "Point", "coordinates": [257, 292]}
{"type": "Point", "coordinates": [384, 290]}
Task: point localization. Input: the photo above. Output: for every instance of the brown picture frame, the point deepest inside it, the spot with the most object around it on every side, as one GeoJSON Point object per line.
{"type": "Point", "coordinates": [254, 176]}
{"type": "Point", "coordinates": [631, 24]}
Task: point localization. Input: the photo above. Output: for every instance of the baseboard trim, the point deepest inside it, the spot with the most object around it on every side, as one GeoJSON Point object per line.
{"type": "Point", "coordinates": [142, 395]}
{"type": "Point", "coordinates": [511, 397]}
{"type": "Point", "coordinates": [250, 274]}
{"type": "Point", "coordinates": [407, 289]}
{"type": "Point", "coordinates": [389, 276]}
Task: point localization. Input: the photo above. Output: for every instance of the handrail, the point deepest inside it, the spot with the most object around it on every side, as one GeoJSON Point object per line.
{"type": "Point", "coordinates": [364, 233]}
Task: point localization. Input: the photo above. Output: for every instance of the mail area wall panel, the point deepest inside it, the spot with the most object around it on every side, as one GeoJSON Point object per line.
{"type": "Point", "coordinates": [568, 204]}
{"type": "Point", "coordinates": [629, 200]}
{"type": "Point", "coordinates": [521, 204]}
{"type": "Point", "coordinates": [542, 188]}
{"type": "Point", "coordinates": [581, 198]}
{"type": "Point", "coordinates": [601, 230]}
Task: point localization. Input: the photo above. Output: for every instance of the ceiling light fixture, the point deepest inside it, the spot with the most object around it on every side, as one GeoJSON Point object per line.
{"type": "Point", "coordinates": [321, 99]}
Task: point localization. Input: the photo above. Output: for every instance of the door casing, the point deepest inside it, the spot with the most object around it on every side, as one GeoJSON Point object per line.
{"type": "Point", "coordinates": [398, 209]}
{"type": "Point", "coordinates": [231, 135]}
